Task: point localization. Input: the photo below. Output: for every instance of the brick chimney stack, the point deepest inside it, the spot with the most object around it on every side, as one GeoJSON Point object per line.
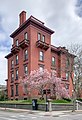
{"type": "Point", "coordinates": [22, 18]}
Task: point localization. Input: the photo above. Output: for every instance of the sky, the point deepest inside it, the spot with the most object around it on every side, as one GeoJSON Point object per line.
{"type": "Point", "coordinates": [62, 16]}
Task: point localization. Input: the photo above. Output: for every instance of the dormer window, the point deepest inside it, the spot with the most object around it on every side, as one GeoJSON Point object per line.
{"type": "Point", "coordinates": [26, 36]}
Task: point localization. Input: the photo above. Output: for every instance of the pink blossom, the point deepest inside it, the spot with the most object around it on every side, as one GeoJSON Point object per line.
{"type": "Point", "coordinates": [43, 79]}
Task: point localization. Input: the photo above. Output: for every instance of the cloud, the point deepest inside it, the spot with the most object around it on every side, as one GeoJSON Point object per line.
{"type": "Point", "coordinates": [62, 16]}
{"type": "Point", "coordinates": [2, 36]}
{"type": "Point", "coordinates": [4, 43]}
{"type": "Point", "coordinates": [79, 8]}
{"type": "Point", "coordinates": [63, 19]}
{"type": "Point", "coordinates": [3, 68]}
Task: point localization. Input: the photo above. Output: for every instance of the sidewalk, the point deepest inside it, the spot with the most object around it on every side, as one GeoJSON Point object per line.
{"type": "Point", "coordinates": [43, 113]}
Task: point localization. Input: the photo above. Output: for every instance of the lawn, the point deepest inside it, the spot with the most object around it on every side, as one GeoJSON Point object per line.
{"type": "Point", "coordinates": [30, 101]}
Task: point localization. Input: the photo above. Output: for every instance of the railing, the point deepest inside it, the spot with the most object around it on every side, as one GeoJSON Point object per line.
{"type": "Point", "coordinates": [14, 49]}
{"type": "Point", "coordinates": [24, 43]}
{"type": "Point", "coordinates": [42, 44]}
{"type": "Point", "coordinates": [78, 105]}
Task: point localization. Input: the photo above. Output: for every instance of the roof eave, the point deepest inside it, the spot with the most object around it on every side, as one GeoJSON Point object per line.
{"type": "Point", "coordinates": [9, 55]}
{"type": "Point", "coordinates": [29, 20]}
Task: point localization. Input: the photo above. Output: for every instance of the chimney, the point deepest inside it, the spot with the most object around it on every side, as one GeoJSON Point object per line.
{"type": "Point", "coordinates": [22, 17]}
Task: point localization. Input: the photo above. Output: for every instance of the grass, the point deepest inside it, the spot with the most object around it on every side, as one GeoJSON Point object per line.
{"type": "Point", "coordinates": [30, 101]}
{"type": "Point", "coordinates": [60, 101]}
{"type": "Point", "coordinates": [17, 101]}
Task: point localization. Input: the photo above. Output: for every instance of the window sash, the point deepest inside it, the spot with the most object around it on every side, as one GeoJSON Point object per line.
{"type": "Point", "coordinates": [17, 43]}
{"type": "Point", "coordinates": [12, 76]}
{"type": "Point", "coordinates": [39, 36]}
{"type": "Point", "coordinates": [67, 87]}
{"type": "Point", "coordinates": [26, 36]}
{"type": "Point", "coordinates": [41, 68]}
{"type": "Point", "coordinates": [67, 63]}
{"type": "Point", "coordinates": [12, 63]}
{"type": "Point", "coordinates": [16, 89]}
{"type": "Point", "coordinates": [26, 55]}
{"type": "Point", "coordinates": [41, 56]}
{"type": "Point", "coordinates": [16, 74]}
{"type": "Point", "coordinates": [67, 76]}
{"type": "Point", "coordinates": [16, 59]}
{"type": "Point", "coordinates": [12, 91]}
{"type": "Point", "coordinates": [43, 38]}
{"type": "Point", "coordinates": [53, 60]}
{"type": "Point", "coordinates": [25, 69]}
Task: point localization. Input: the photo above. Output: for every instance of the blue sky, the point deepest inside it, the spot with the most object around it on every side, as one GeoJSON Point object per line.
{"type": "Point", "coordinates": [62, 16]}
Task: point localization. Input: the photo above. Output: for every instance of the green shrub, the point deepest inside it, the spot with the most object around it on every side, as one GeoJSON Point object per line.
{"type": "Point", "coordinates": [67, 99]}
{"type": "Point", "coordinates": [80, 99]}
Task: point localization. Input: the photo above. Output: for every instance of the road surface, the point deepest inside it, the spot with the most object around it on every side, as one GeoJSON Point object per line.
{"type": "Point", "coordinates": [10, 115]}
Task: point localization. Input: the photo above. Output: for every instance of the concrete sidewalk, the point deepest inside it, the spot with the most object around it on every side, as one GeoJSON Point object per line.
{"type": "Point", "coordinates": [43, 113]}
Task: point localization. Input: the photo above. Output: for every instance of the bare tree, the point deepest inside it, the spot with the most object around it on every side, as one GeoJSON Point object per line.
{"type": "Point", "coordinates": [77, 68]}
{"type": "Point", "coordinates": [72, 64]}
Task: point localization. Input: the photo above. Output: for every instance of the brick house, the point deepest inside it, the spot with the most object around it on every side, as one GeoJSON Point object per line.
{"type": "Point", "coordinates": [31, 50]}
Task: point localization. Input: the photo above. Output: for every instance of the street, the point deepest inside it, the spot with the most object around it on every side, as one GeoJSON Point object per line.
{"type": "Point", "coordinates": [10, 115]}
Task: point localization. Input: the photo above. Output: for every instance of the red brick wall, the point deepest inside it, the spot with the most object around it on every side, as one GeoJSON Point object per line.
{"type": "Point", "coordinates": [33, 61]}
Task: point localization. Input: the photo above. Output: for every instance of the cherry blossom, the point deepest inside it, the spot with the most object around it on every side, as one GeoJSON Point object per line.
{"type": "Point", "coordinates": [41, 80]}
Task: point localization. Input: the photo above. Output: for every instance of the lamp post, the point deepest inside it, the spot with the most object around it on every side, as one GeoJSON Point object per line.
{"type": "Point", "coordinates": [74, 97]}
{"type": "Point", "coordinates": [46, 101]}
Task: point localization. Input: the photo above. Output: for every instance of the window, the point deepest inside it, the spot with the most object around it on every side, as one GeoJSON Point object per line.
{"type": "Point", "coordinates": [17, 42]}
{"type": "Point", "coordinates": [12, 76]}
{"type": "Point", "coordinates": [26, 36]}
{"type": "Point", "coordinates": [25, 69]}
{"type": "Point", "coordinates": [41, 55]}
{"type": "Point", "coordinates": [16, 89]}
{"type": "Point", "coordinates": [12, 91]}
{"type": "Point", "coordinates": [41, 67]}
{"type": "Point", "coordinates": [25, 55]}
{"type": "Point", "coordinates": [39, 36]}
{"type": "Point", "coordinates": [43, 38]}
{"type": "Point", "coordinates": [16, 59]}
{"type": "Point", "coordinates": [12, 63]}
{"type": "Point", "coordinates": [67, 87]}
{"type": "Point", "coordinates": [16, 74]}
{"type": "Point", "coordinates": [53, 61]}
{"type": "Point", "coordinates": [67, 63]}
{"type": "Point", "coordinates": [67, 76]}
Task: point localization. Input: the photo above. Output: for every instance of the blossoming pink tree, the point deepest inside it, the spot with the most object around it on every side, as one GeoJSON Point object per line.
{"type": "Point", "coordinates": [58, 90]}
{"type": "Point", "coordinates": [41, 80]}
